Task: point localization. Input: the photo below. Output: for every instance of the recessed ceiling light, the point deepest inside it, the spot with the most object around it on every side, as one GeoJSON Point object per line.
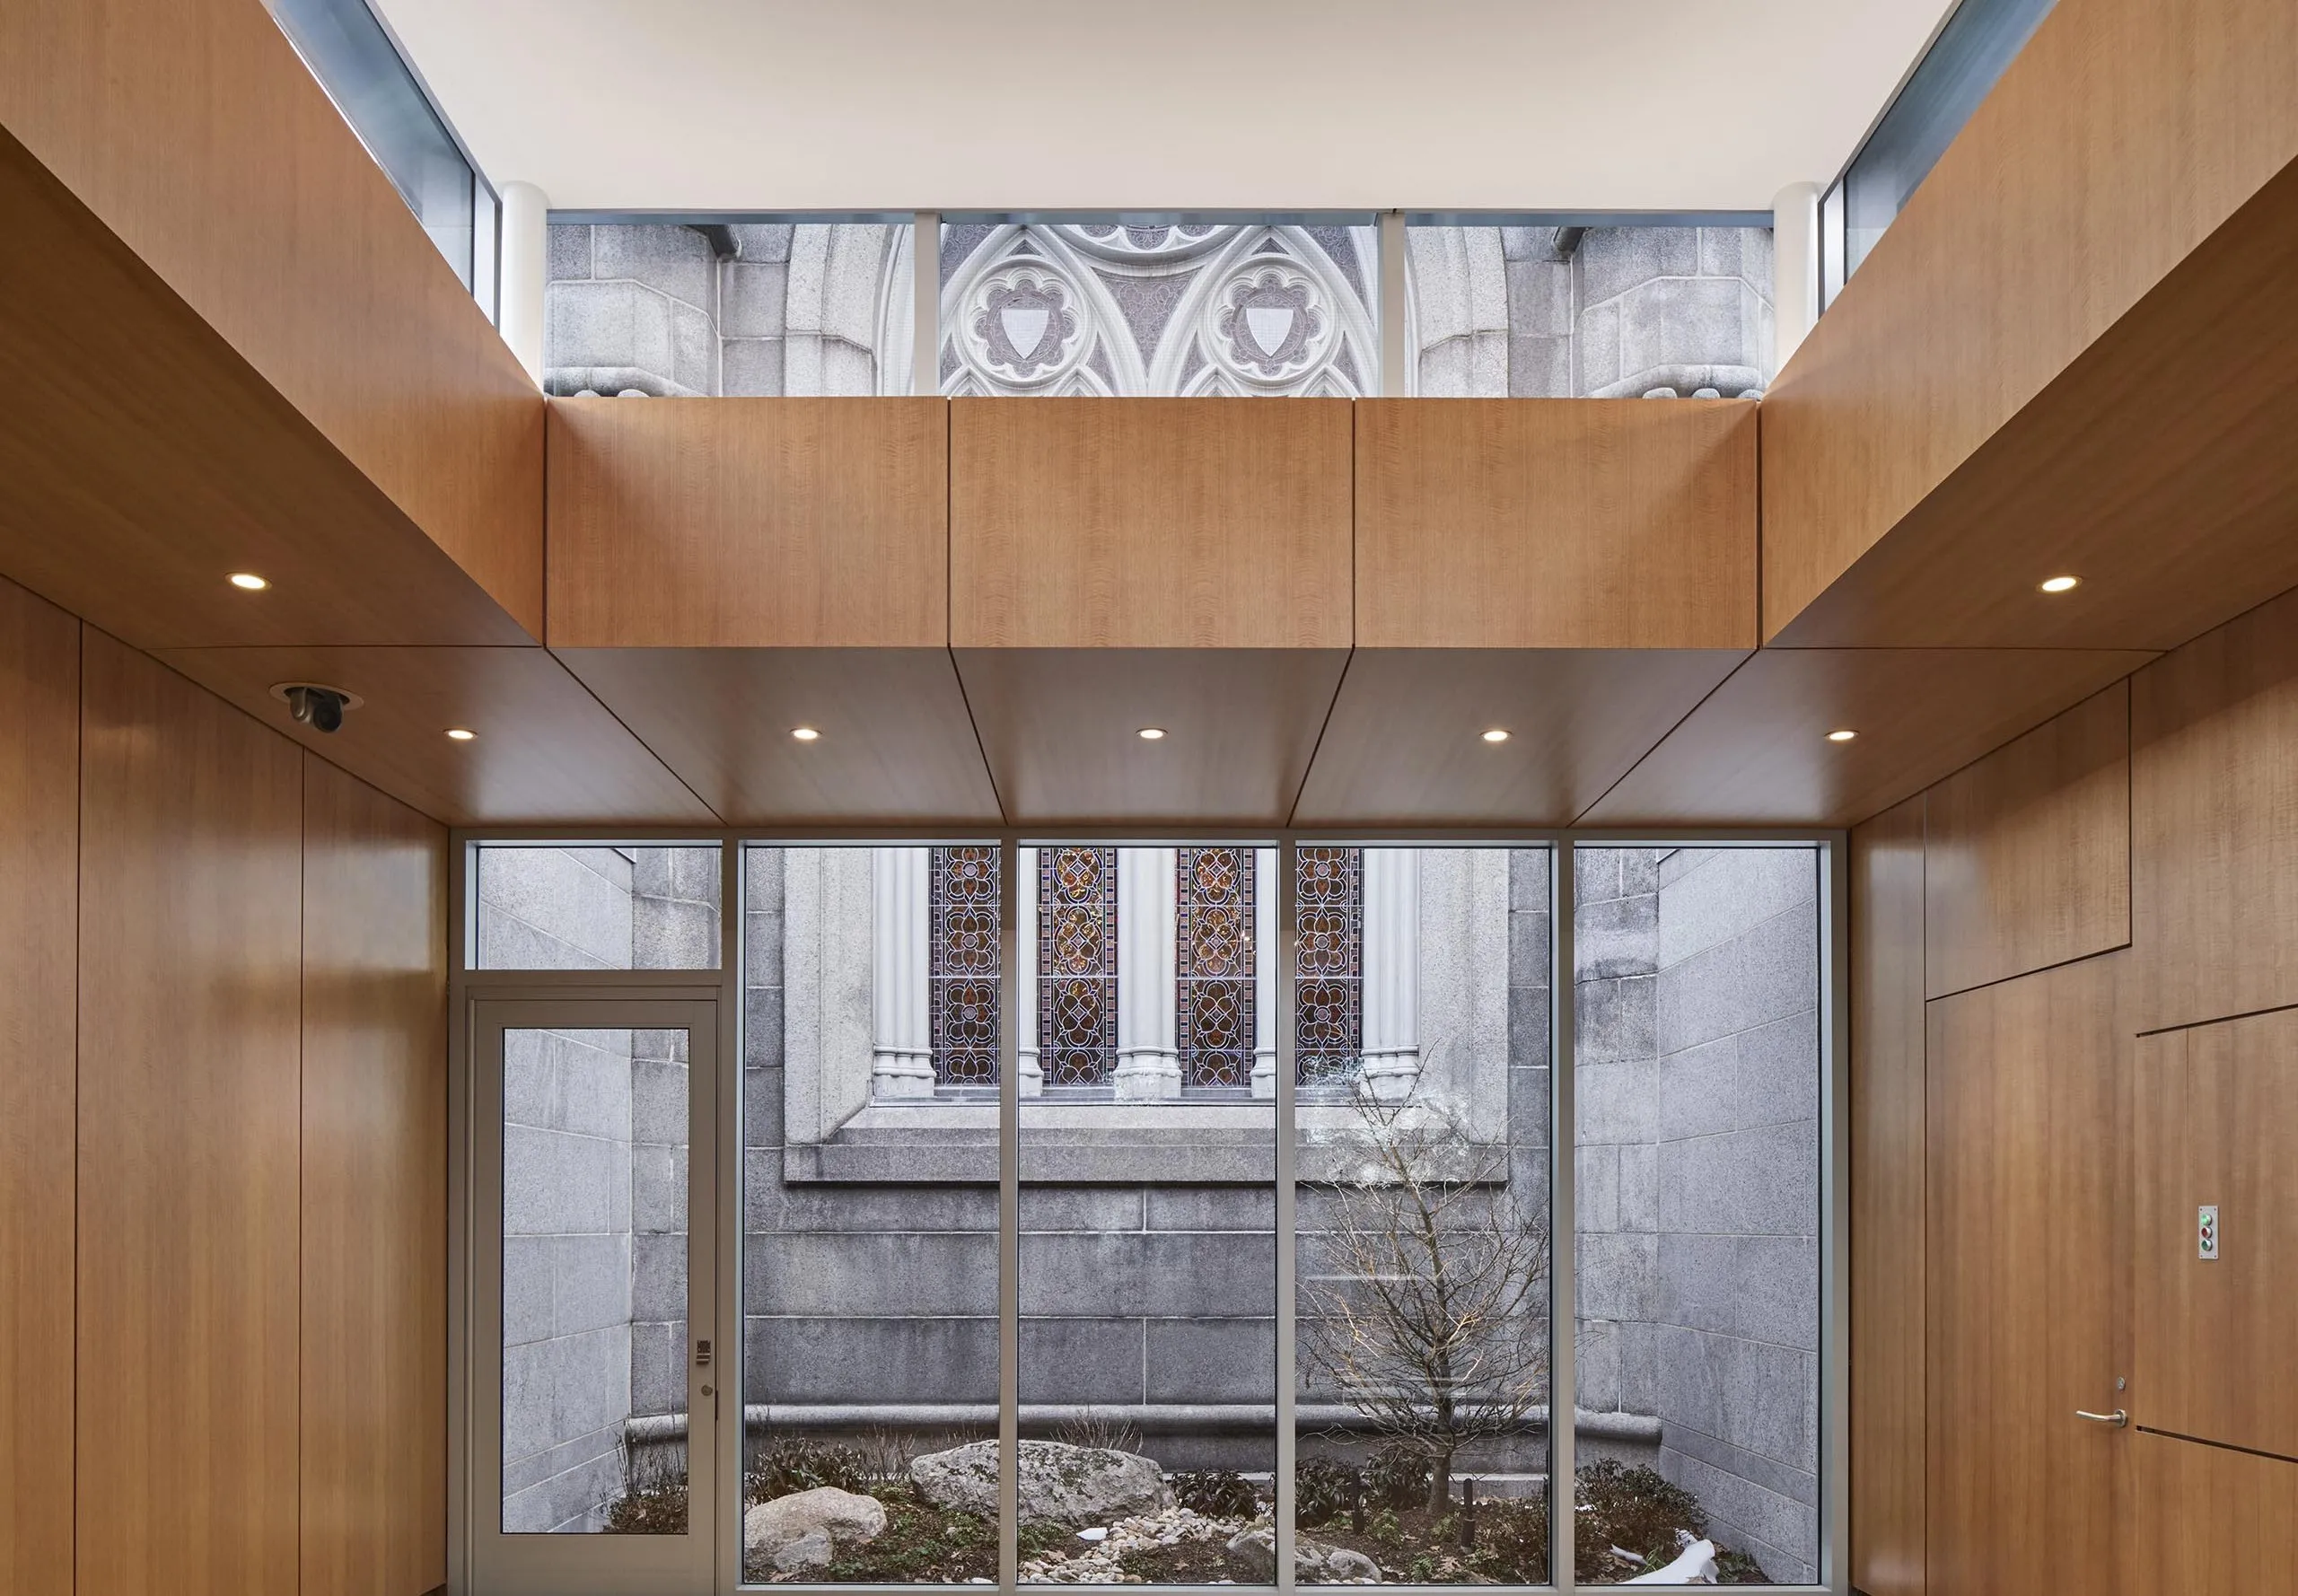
{"type": "Point", "coordinates": [248, 582]}
{"type": "Point", "coordinates": [460, 734]}
{"type": "Point", "coordinates": [804, 733]}
{"type": "Point", "coordinates": [2061, 584]}
{"type": "Point", "coordinates": [1496, 735]}
{"type": "Point", "coordinates": [1842, 735]}
{"type": "Point", "coordinates": [1151, 733]}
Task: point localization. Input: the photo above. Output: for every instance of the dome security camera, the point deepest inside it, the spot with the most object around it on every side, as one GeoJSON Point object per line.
{"type": "Point", "coordinates": [320, 707]}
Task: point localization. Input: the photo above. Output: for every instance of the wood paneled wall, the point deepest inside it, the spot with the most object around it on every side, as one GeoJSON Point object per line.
{"type": "Point", "coordinates": [223, 1247]}
{"type": "Point", "coordinates": [2028, 857]}
{"type": "Point", "coordinates": [190, 1048]}
{"type": "Point", "coordinates": [749, 523]}
{"type": "Point", "coordinates": [2215, 794]}
{"type": "Point", "coordinates": [1499, 524]}
{"type": "Point", "coordinates": [374, 1192]}
{"type": "Point", "coordinates": [39, 751]}
{"type": "Point", "coordinates": [2087, 1090]}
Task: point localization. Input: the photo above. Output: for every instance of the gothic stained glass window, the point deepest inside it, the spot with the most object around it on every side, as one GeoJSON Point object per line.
{"type": "Point", "coordinates": [962, 965]}
{"type": "Point", "coordinates": [1077, 965]}
{"type": "Point", "coordinates": [1329, 989]}
{"type": "Point", "coordinates": [1214, 966]}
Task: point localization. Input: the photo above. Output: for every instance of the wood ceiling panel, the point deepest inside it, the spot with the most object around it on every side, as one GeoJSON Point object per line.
{"type": "Point", "coordinates": [546, 752]}
{"type": "Point", "coordinates": [1555, 523]}
{"type": "Point", "coordinates": [749, 523]}
{"type": "Point", "coordinates": [1757, 753]}
{"type": "Point", "coordinates": [1405, 744]}
{"type": "Point", "coordinates": [143, 460]}
{"type": "Point", "coordinates": [193, 132]}
{"type": "Point", "coordinates": [2069, 352]}
{"type": "Point", "coordinates": [895, 744]}
{"type": "Point", "coordinates": [1060, 727]}
{"type": "Point", "coordinates": [1150, 523]}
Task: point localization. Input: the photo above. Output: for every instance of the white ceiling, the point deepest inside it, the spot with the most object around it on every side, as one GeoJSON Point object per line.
{"type": "Point", "coordinates": [1551, 105]}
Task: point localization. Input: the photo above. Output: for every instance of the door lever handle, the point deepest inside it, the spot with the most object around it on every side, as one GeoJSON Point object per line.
{"type": "Point", "coordinates": [2118, 1418]}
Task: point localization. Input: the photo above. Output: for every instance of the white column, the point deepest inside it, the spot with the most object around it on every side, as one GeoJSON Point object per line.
{"type": "Point", "coordinates": [1264, 972]}
{"type": "Point", "coordinates": [1392, 972]}
{"type": "Point", "coordinates": [526, 269]}
{"type": "Point", "coordinates": [1025, 914]}
{"type": "Point", "coordinates": [1148, 1063]}
{"type": "Point", "coordinates": [1794, 268]}
{"type": "Point", "coordinates": [901, 1050]}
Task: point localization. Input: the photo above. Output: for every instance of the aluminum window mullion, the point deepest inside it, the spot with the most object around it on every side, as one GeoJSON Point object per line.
{"type": "Point", "coordinates": [1288, 954]}
{"type": "Point", "coordinates": [1009, 1212]}
{"type": "Point", "coordinates": [1563, 1386]}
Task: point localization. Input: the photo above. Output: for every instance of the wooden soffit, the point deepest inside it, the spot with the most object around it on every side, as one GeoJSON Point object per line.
{"type": "Point", "coordinates": [230, 346]}
{"type": "Point", "coordinates": [2070, 355]}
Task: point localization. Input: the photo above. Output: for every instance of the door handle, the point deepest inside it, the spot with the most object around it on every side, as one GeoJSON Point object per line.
{"type": "Point", "coordinates": [2118, 1418]}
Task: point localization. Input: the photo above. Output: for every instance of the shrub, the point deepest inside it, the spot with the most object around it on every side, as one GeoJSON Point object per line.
{"type": "Point", "coordinates": [1324, 1490]}
{"type": "Point", "coordinates": [1398, 1477]}
{"type": "Point", "coordinates": [1217, 1493]}
{"type": "Point", "coordinates": [1512, 1541]}
{"type": "Point", "coordinates": [1100, 1432]}
{"type": "Point", "coordinates": [1636, 1509]}
{"type": "Point", "coordinates": [652, 1502]}
{"type": "Point", "coordinates": [799, 1465]}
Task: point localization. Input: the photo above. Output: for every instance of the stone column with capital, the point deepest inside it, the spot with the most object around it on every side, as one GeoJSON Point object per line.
{"type": "Point", "coordinates": [1392, 972]}
{"type": "Point", "coordinates": [901, 1052]}
{"type": "Point", "coordinates": [1148, 1060]}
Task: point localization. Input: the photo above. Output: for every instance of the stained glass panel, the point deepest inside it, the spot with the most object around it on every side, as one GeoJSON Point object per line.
{"type": "Point", "coordinates": [962, 965]}
{"type": "Point", "coordinates": [1329, 989]}
{"type": "Point", "coordinates": [1215, 965]}
{"type": "Point", "coordinates": [1077, 965]}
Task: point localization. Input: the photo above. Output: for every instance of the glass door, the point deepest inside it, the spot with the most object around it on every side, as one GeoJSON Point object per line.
{"type": "Point", "coordinates": [595, 1382]}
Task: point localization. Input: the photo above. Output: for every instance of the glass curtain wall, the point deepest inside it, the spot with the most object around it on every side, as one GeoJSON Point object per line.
{"type": "Point", "coordinates": [1174, 1005]}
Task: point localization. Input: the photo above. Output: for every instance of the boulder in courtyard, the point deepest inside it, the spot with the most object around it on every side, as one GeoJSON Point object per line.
{"type": "Point", "coordinates": [806, 1528]}
{"type": "Point", "coordinates": [1062, 1485]}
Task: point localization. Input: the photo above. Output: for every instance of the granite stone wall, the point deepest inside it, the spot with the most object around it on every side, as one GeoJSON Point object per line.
{"type": "Point", "coordinates": [1697, 985]}
{"type": "Point", "coordinates": [734, 311]}
{"type": "Point", "coordinates": [1593, 312]}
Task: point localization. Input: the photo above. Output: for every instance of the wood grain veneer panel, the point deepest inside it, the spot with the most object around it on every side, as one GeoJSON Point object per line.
{"type": "Point", "coordinates": [374, 1192]}
{"type": "Point", "coordinates": [1755, 752]}
{"type": "Point", "coordinates": [39, 785]}
{"type": "Point", "coordinates": [1149, 523]}
{"type": "Point", "coordinates": [897, 742]}
{"type": "Point", "coordinates": [1059, 728]}
{"type": "Point", "coordinates": [143, 460]}
{"type": "Point", "coordinates": [2024, 1282]}
{"type": "Point", "coordinates": [190, 943]}
{"type": "Point", "coordinates": [191, 130]}
{"type": "Point", "coordinates": [1555, 523]}
{"type": "Point", "coordinates": [2214, 813]}
{"type": "Point", "coordinates": [2205, 1519]}
{"type": "Point", "coordinates": [749, 523]}
{"type": "Point", "coordinates": [1405, 743]}
{"type": "Point", "coordinates": [1888, 1156]}
{"type": "Point", "coordinates": [2217, 1122]}
{"type": "Point", "coordinates": [2122, 137]}
{"type": "Point", "coordinates": [548, 752]}
{"type": "Point", "coordinates": [2030, 850]}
